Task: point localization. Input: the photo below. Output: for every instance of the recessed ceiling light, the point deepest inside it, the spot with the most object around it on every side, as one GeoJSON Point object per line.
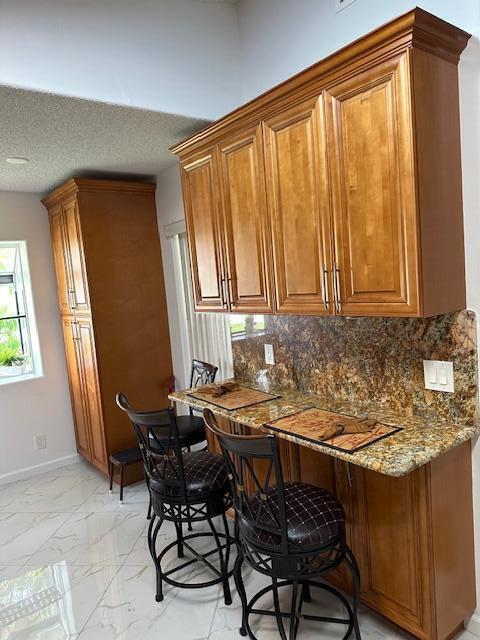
{"type": "Point", "coordinates": [15, 160]}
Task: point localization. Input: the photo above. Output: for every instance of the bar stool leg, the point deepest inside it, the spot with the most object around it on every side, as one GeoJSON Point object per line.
{"type": "Point", "coordinates": [152, 544]}
{"type": "Point", "coordinates": [353, 566]}
{"type": "Point", "coordinates": [306, 592]}
{"type": "Point", "coordinates": [122, 470]}
{"type": "Point", "coordinates": [223, 566]}
{"type": "Point", "coordinates": [110, 473]}
{"type": "Point", "coordinates": [237, 576]}
{"type": "Point", "coordinates": [276, 605]}
{"type": "Point", "coordinates": [293, 611]}
{"type": "Point", "coordinates": [179, 530]}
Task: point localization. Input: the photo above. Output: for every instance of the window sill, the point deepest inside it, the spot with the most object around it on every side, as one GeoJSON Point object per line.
{"type": "Point", "coordinates": [19, 378]}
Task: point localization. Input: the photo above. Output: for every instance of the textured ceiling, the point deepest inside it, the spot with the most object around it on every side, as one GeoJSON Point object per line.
{"type": "Point", "coordinates": [65, 136]}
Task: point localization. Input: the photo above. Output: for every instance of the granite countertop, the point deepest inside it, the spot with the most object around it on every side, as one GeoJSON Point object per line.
{"type": "Point", "coordinates": [422, 439]}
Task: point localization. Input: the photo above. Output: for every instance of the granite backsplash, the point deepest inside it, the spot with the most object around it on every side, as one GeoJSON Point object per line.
{"type": "Point", "coordinates": [366, 361]}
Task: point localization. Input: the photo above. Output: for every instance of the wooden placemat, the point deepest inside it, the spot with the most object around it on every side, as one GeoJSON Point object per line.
{"type": "Point", "coordinates": [307, 423]}
{"type": "Point", "coordinates": [239, 399]}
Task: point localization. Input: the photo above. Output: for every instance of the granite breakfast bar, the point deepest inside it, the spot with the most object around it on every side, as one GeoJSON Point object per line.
{"type": "Point", "coordinates": [421, 440]}
{"type": "Point", "coordinates": [407, 497]}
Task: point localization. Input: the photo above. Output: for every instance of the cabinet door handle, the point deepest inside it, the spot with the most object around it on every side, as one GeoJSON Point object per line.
{"type": "Point", "coordinates": [229, 292]}
{"type": "Point", "coordinates": [336, 288]}
{"type": "Point", "coordinates": [75, 331]}
{"type": "Point", "coordinates": [72, 302]}
{"type": "Point", "coordinates": [223, 294]}
{"type": "Point", "coordinates": [326, 301]}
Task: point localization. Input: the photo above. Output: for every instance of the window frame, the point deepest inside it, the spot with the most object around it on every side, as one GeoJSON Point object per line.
{"type": "Point", "coordinates": [23, 285]}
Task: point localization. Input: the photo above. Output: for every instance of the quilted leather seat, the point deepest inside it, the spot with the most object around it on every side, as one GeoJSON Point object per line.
{"type": "Point", "coordinates": [205, 473]}
{"type": "Point", "coordinates": [314, 517]}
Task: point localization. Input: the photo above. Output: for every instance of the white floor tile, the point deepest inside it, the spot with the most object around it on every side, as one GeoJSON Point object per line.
{"type": "Point", "coordinates": [128, 610]}
{"type": "Point", "coordinates": [93, 538]}
{"type": "Point", "coordinates": [56, 492]}
{"type": "Point", "coordinates": [22, 534]}
{"type": "Point", "coordinates": [54, 601]}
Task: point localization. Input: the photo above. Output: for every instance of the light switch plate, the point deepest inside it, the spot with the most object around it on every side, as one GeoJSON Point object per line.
{"type": "Point", "coordinates": [438, 375]}
{"type": "Point", "coordinates": [269, 355]}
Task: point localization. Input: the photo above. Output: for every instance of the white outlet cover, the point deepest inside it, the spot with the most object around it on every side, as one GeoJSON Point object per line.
{"type": "Point", "coordinates": [40, 442]}
{"type": "Point", "coordinates": [269, 355]}
{"type": "Point", "coordinates": [438, 375]}
{"type": "Point", "coordinates": [341, 4]}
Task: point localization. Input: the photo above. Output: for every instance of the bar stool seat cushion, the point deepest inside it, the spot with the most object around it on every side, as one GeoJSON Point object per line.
{"type": "Point", "coordinates": [314, 517]}
{"type": "Point", "coordinates": [191, 431]}
{"type": "Point", "coordinates": [205, 473]}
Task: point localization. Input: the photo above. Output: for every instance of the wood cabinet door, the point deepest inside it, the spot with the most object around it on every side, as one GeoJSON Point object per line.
{"type": "Point", "coordinates": [75, 379]}
{"type": "Point", "coordinates": [91, 390]}
{"type": "Point", "coordinates": [299, 208]}
{"type": "Point", "coordinates": [78, 275]}
{"type": "Point", "coordinates": [369, 133]}
{"type": "Point", "coordinates": [247, 234]}
{"type": "Point", "coordinates": [201, 200]}
{"type": "Point", "coordinates": [390, 532]}
{"type": "Point", "coordinates": [60, 256]}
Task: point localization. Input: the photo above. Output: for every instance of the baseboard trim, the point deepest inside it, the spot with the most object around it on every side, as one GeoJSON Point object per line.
{"type": "Point", "coordinates": [28, 472]}
{"type": "Point", "coordinates": [473, 625]}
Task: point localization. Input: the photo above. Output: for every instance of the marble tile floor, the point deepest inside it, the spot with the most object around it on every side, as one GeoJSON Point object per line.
{"type": "Point", "coordinates": [74, 565]}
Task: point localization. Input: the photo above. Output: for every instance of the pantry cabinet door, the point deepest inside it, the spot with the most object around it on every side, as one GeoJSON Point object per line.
{"type": "Point", "coordinates": [75, 378]}
{"type": "Point", "coordinates": [247, 232]}
{"type": "Point", "coordinates": [201, 201]}
{"type": "Point", "coordinates": [299, 208]}
{"type": "Point", "coordinates": [74, 247]}
{"type": "Point", "coordinates": [60, 256]}
{"type": "Point", "coordinates": [370, 146]}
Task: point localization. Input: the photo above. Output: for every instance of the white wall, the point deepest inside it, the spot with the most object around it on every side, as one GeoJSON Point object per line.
{"type": "Point", "coordinates": [40, 405]}
{"type": "Point", "coordinates": [178, 56]}
{"type": "Point", "coordinates": [279, 38]}
{"type": "Point", "coordinates": [169, 211]}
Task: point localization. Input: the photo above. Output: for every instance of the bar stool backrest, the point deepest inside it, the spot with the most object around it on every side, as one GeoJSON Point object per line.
{"type": "Point", "coordinates": [202, 373]}
{"type": "Point", "coordinates": [159, 443]}
{"type": "Point", "coordinates": [256, 484]}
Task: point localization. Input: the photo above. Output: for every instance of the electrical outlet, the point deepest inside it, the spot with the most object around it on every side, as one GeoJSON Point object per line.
{"type": "Point", "coordinates": [40, 442]}
{"type": "Point", "coordinates": [269, 355]}
{"type": "Point", "coordinates": [438, 375]}
{"type": "Point", "coordinates": [341, 4]}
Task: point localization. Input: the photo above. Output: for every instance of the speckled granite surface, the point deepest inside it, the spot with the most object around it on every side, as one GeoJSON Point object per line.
{"type": "Point", "coordinates": [423, 438]}
{"type": "Point", "coordinates": [372, 360]}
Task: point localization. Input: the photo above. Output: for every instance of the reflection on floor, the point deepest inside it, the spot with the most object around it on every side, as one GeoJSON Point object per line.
{"type": "Point", "coordinates": [74, 564]}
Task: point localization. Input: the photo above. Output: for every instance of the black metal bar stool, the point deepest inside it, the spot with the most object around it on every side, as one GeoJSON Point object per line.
{"type": "Point", "coordinates": [192, 427]}
{"type": "Point", "coordinates": [184, 488]}
{"type": "Point", "coordinates": [292, 532]}
{"type": "Point", "coordinates": [122, 459]}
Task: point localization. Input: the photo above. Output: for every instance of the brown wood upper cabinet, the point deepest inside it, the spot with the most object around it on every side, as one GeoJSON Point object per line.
{"type": "Point", "coordinates": [228, 233]}
{"type": "Point", "coordinates": [299, 208]}
{"type": "Point", "coordinates": [359, 172]}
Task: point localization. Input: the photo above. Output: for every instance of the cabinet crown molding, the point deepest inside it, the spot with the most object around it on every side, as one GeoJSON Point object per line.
{"type": "Point", "coordinates": [417, 28]}
{"type": "Point", "coordinates": [74, 185]}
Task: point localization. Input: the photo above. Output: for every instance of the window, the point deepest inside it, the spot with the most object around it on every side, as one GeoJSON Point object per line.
{"type": "Point", "coordinates": [242, 326]}
{"type": "Point", "coordinates": [205, 336]}
{"type": "Point", "coordinates": [19, 349]}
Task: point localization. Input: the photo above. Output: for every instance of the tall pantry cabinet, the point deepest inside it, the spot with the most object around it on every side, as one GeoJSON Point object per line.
{"type": "Point", "coordinates": [112, 304]}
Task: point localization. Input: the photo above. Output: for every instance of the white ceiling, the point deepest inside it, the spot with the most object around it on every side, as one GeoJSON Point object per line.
{"type": "Point", "coordinates": [64, 136]}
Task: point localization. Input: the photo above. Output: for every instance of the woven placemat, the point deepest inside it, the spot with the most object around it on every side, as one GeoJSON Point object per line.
{"type": "Point", "coordinates": [238, 399]}
{"type": "Point", "coordinates": [307, 423]}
